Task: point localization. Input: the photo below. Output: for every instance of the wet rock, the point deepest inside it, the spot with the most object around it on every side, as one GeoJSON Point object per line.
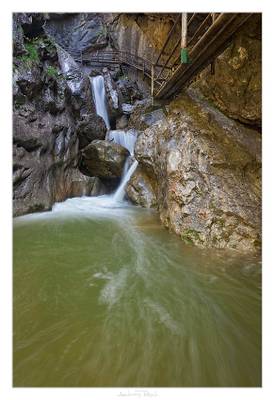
{"type": "Point", "coordinates": [112, 95]}
{"type": "Point", "coordinates": [140, 190]}
{"type": "Point", "coordinates": [89, 128]}
{"type": "Point", "coordinates": [82, 185]}
{"type": "Point", "coordinates": [122, 122]}
{"type": "Point", "coordinates": [127, 108]}
{"type": "Point", "coordinates": [104, 159]}
{"type": "Point", "coordinates": [205, 169]}
{"type": "Point", "coordinates": [79, 87]}
{"type": "Point", "coordinates": [129, 90]}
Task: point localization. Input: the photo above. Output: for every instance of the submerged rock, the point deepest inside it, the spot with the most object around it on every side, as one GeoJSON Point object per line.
{"type": "Point", "coordinates": [104, 159]}
{"type": "Point", "coordinates": [204, 171]}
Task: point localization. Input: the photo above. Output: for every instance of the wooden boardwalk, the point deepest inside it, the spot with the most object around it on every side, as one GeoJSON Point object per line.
{"type": "Point", "coordinates": [207, 36]}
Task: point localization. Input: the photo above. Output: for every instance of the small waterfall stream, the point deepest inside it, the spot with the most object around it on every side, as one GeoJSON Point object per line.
{"type": "Point", "coordinates": [99, 96]}
{"type": "Point", "coordinates": [123, 138]}
{"type": "Point", "coordinates": [128, 171]}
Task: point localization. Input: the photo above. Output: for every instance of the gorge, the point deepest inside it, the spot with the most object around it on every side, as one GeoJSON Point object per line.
{"type": "Point", "coordinates": [137, 222]}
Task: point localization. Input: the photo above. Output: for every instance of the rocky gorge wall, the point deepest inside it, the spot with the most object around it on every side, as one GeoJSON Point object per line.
{"type": "Point", "coordinates": [54, 116]}
{"type": "Point", "coordinates": [50, 110]}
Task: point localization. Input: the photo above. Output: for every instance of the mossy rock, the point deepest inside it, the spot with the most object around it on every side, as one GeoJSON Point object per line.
{"type": "Point", "coordinates": [190, 236]}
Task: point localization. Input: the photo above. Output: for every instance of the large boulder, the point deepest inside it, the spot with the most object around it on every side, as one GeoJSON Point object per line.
{"type": "Point", "coordinates": [141, 189]}
{"type": "Point", "coordinates": [89, 128]}
{"type": "Point", "coordinates": [104, 159]}
{"type": "Point", "coordinates": [204, 170]}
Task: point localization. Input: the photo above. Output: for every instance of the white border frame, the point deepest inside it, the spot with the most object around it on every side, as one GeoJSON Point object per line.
{"type": "Point", "coordinates": [6, 390]}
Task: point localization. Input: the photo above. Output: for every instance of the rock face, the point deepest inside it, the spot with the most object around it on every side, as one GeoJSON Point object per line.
{"type": "Point", "coordinates": [204, 172]}
{"type": "Point", "coordinates": [52, 109]}
{"type": "Point", "coordinates": [235, 88]}
{"type": "Point", "coordinates": [104, 159]}
{"type": "Point", "coordinates": [78, 33]}
{"type": "Point", "coordinates": [112, 95]}
{"type": "Point", "coordinates": [146, 33]}
{"type": "Point", "coordinates": [142, 189]}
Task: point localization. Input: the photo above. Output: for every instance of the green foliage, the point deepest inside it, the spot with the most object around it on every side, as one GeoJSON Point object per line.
{"type": "Point", "coordinates": [52, 72]}
{"type": "Point", "coordinates": [32, 56]}
{"type": "Point", "coordinates": [32, 51]}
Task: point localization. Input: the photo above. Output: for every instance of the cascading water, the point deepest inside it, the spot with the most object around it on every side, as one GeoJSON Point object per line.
{"type": "Point", "coordinates": [128, 171]}
{"type": "Point", "coordinates": [99, 96]}
{"type": "Point", "coordinates": [125, 139]}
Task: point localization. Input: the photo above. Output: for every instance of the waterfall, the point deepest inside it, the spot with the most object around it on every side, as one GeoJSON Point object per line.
{"type": "Point", "coordinates": [125, 139]}
{"type": "Point", "coordinates": [128, 171]}
{"type": "Point", "coordinates": [99, 97]}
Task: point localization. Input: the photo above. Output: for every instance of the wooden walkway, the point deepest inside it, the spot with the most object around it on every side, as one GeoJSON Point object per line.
{"type": "Point", "coordinates": [116, 57]}
{"type": "Point", "coordinates": [207, 36]}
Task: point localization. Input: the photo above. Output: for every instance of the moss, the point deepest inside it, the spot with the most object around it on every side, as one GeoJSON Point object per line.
{"type": "Point", "coordinates": [52, 72]}
{"type": "Point", "coordinates": [190, 236]}
{"type": "Point", "coordinates": [32, 47]}
{"type": "Point", "coordinates": [32, 56]}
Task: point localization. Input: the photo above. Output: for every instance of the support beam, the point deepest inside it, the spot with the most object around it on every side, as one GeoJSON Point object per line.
{"type": "Point", "coordinates": [152, 82]}
{"type": "Point", "coordinates": [184, 51]}
{"type": "Point", "coordinates": [184, 31]}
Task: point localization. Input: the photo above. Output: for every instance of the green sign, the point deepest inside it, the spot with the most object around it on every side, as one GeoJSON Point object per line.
{"type": "Point", "coordinates": [184, 56]}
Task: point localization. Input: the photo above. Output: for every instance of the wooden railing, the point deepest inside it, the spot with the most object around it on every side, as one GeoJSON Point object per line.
{"type": "Point", "coordinates": [118, 57]}
{"type": "Point", "coordinates": [206, 37]}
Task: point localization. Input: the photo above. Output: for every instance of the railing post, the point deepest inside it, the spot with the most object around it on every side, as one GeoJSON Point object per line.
{"type": "Point", "coordinates": [152, 82]}
{"type": "Point", "coordinates": [184, 51]}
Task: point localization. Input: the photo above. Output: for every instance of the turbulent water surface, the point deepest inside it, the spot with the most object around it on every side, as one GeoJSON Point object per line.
{"type": "Point", "coordinates": [104, 296]}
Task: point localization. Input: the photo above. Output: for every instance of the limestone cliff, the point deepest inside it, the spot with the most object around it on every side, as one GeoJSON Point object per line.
{"type": "Point", "coordinates": [202, 172]}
